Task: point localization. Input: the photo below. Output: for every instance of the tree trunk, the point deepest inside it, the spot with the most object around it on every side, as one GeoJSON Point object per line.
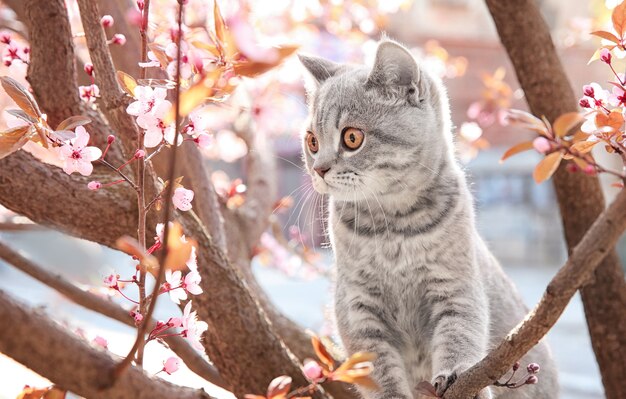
{"type": "Point", "coordinates": [526, 37]}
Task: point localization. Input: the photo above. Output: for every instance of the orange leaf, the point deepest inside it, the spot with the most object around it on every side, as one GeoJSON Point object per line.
{"type": "Point", "coordinates": [127, 82]}
{"type": "Point", "coordinates": [13, 139]}
{"type": "Point", "coordinates": [359, 357]}
{"type": "Point", "coordinates": [131, 246]}
{"type": "Point", "coordinates": [251, 69]}
{"type": "Point", "coordinates": [55, 393]}
{"type": "Point", "coordinates": [220, 25]}
{"type": "Point", "coordinates": [178, 249]}
{"type": "Point", "coordinates": [249, 396]}
{"type": "Point", "coordinates": [159, 53]}
{"type": "Point", "coordinates": [581, 163]}
{"type": "Point", "coordinates": [72, 122]}
{"type": "Point", "coordinates": [564, 123]}
{"type": "Point", "coordinates": [279, 387]}
{"type": "Point", "coordinates": [547, 167]}
{"type": "Point", "coordinates": [614, 119]}
{"type": "Point", "coordinates": [211, 48]}
{"type": "Point", "coordinates": [606, 35]}
{"type": "Point", "coordinates": [21, 96]}
{"type": "Point", "coordinates": [322, 352]}
{"type": "Point", "coordinates": [516, 149]}
{"type": "Point", "coordinates": [619, 19]}
{"type": "Point", "coordinates": [583, 147]}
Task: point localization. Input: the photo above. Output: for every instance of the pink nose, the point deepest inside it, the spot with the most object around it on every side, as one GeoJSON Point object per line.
{"type": "Point", "coordinates": [321, 171]}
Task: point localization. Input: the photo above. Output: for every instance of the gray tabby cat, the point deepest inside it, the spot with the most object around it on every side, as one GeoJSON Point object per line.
{"type": "Point", "coordinates": [415, 283]}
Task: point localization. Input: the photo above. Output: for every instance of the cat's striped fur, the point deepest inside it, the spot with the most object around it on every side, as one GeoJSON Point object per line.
{"type": "Point", "coordinates": [415, 283]}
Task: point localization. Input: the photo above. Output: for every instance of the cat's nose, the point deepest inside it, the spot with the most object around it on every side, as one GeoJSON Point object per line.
{"type": "Point", "coordinates": [321, 171]}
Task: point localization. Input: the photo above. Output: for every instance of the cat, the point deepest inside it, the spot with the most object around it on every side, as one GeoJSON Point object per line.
{"type": "Point", "coordinates": [415, 283]}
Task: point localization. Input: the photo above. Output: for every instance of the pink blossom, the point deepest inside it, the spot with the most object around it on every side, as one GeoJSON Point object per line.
{"type": "Point", "coordinates": [617, 97]}
{"type": "Point", "coordinates": [542, 145]}
{"type": "Point", "coordinates": [173, 285]}
{"type": "Point", "coordinates": [595, 94]}
{"type": "Point", "coordinates": [150, 109]}
{"type": "Point", "coordinates": [605, 55]}
{"type": "Point", "coordinates": [138, 317]}
{"type": "Point", "coordinates": [171, 365]}
{"type": "Point", "coordinates": [111, 281]}
{"type": "Point", "coordinates": [107, 21]}
{"type": "Point", "coordinates": [154, 61]}
{"type": "Point", "coordinates": [140, 154]}
{"type": "Point", "coordinates": [89, 93]}
{"type": "Point", "coordinates": [312, 370]}
{"type": "Point", "coordinates": [77, 156]}
{"type": "Point", "coordinates": [203, 140]}
{"type": "Point", "coordinates": [94, 185]}
{"type": "Point", "coordinates": [119, 39]}
{"type": "Point", "coordinates": [100, 341]}
{"type": "Point", "coordinates": [88, 68]}
{"type": "Point", "coordinates": [182, 198]}
{"type": "Point", "coordinates": [192, 262]}
{"type": "Point", "coordinates": [198, 123]}
{"type": "Point", "coordinates": [192, 283]}
{"type": "Point", "coordinates": [185, 68]}
{"type": "Point", "coordinates": [192, 327]}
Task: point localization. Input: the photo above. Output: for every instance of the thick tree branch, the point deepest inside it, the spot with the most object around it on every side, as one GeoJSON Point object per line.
{"type": "Point", "coordinates": [548, 92]}
{"type": "Point", "coordinates": [70, 362]}
{"type": "Point", "coordinates": [578, 270]}
{"type": "Point", "coordinates": [190, 356]}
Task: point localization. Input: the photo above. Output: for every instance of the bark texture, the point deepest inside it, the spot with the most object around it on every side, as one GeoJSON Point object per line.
{"type": "Point", "coordinates": [71, 363]}
{"type": "Point", "coordinates": [578, 270]}
{"type": "Point", "coordinates": [527, 39]}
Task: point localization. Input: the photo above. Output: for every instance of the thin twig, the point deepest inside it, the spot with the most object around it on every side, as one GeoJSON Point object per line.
{"type": "Point", "coordinates": [168, 205]}
{"type": "Point", "coordinates": [119, 172]}
{"type": "Point", "coordinates": [141, 179]}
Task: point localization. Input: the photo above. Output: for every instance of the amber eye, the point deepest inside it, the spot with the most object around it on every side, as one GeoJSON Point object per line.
{"type": "Point", "coordinates": [311, 141]}
{"type": "Point", "coordinates": [353, 138]}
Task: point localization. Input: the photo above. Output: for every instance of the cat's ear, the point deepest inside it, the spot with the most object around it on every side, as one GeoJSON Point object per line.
{"type": "Point", "coordinates": [320, 69]}
{"type": "Point", "coordinates": [393, 66]}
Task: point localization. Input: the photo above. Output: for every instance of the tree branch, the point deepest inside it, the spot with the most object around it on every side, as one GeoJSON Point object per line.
{"type": "Point", "coordinates": [113, 98]}
{"type": "Point", "coordinates": [70, 362]}
{"type": "Point", "coordinates": [587, 255]}
{"type": "Point", "coordinates": [548, 92]}
{"type": "Point", "coordinates": [190, 356]}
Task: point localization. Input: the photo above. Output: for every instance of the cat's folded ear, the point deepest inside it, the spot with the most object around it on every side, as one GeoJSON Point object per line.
{"type": "Point", "coordinates": [393, 66]}
{"type": "Point", "coordinates": [320, 69]}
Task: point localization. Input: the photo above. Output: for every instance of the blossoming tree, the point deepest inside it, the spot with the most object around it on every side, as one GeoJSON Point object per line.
{"type": "Point", "coordinates": [115, 159]}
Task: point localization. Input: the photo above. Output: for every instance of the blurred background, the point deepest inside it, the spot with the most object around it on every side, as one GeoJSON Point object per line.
{"type": "Point", "coordinates": [454, 38]}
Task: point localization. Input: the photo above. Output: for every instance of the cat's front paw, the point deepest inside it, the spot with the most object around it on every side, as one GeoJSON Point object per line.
{"type": "Point", "coordinates": [444, 380]}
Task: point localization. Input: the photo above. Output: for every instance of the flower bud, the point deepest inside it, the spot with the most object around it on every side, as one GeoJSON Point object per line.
{"type": "Point", "coordinates": [141, 4]}
{"type": "Point", "coordinates": [110, 139]}
{"type": "Point", "coordinates": [542, 145]}
{"type": "Point", "coordinates": [140, 154]}
{"type": "Point", "coordinates": [171, 365]}
{"type": "Point", "coordinates": [572, 167]}
{"type": "Point", "coordinates": [533, 368]}
{"type": "Point", "coordinates": [605, 55]}
{"type": "Point", "coordinates": [516, 366]}
{"type": "Point", "coordinates": [532, 380]}
{"type": "Point", "coordinates": [588, 91]}
{"type": "Point", "coordinates": [589, 170]}
{"type": "Point", "coordinates": [312, 370]}
{"type": "Point", "coordinates": [88, 69]}
{"type": "Point", "coordinates": [94, 185]}
{"type": "Point", "coordinates": [107, 21]}
{"type": "Point", "coordinates": [119, 39]}
{"type": "Point", "coordinates": [584, 103]}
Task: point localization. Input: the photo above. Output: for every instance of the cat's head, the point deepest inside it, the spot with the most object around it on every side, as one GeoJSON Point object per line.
{"type": "Point", "coordinates": [373, 130]}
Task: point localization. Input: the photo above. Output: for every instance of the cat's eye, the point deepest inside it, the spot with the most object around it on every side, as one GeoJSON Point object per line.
{"type": "Point", "coordinates": [312, 142]}
{"type": "Point", "coordinates": [353, 138]}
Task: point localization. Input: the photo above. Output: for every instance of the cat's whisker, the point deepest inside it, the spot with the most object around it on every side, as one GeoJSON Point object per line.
{"type": "Point", "coordinates": [375, 227]}
{"type": "Point", "coordinates": [382, 210]}
{"type": "Point", "coordinates": [304, 197]}
{"type": "Point", "coordinates": [301, 187]}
